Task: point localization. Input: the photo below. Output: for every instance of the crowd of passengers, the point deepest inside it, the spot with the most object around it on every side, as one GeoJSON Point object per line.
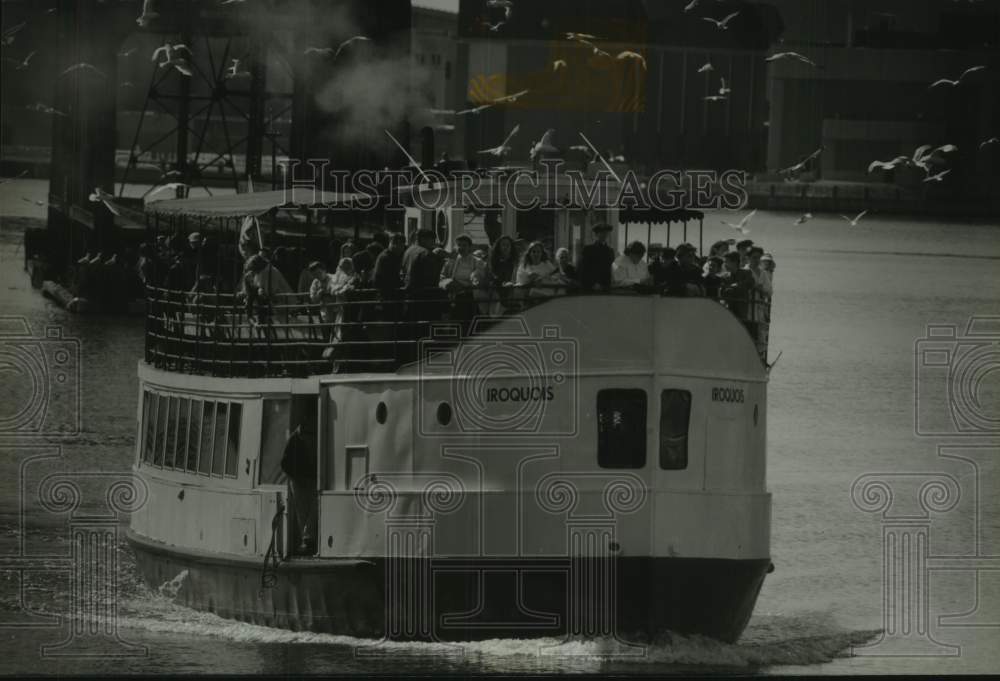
{"type": "Point", "coordinates": [393, 280]}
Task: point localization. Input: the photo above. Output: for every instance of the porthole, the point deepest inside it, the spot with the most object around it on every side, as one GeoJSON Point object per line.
{"type": "Point", "coordinates": [244, 540]}
{"type": "Point", "coordinates": [329, 541]}
{"type": "Point", "coordinates": [381, 413]}
{"type": "Point", "coordinates": [755, 414]}
{"type": "Point", "coordinates": [444, 413]}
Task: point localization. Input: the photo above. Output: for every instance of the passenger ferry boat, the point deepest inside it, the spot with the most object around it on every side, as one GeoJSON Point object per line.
{"type": "Point", "coordinates": [583, 465]}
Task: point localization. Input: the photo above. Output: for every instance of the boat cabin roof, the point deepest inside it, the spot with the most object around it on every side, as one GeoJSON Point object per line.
{"type": "Point", "coordinates": [254, 204]}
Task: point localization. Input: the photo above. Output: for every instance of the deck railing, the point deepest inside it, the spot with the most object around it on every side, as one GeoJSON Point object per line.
{"type": "Point", "coordinates": [288, 335]}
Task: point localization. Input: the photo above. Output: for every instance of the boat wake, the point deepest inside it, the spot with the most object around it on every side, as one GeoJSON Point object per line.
{"type": "Point", "coordinates": [770, 640]}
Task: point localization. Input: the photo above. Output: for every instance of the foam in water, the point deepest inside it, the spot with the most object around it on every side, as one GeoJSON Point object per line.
{"type": "Point", "coordinates": [172, 588]}
{"type": "Point", "coordinates": [805, 639]}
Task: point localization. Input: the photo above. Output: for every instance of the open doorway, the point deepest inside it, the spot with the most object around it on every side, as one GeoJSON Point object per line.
{"type": "Point", "coordinates": [288, 456]}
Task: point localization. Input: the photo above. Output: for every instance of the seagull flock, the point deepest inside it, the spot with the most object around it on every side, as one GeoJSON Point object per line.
{"type": "Point", "coordinates": [933, 160]}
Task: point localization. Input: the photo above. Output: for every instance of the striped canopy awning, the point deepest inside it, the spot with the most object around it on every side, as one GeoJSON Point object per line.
{"type": "Point", "coordinates": [658, 216]}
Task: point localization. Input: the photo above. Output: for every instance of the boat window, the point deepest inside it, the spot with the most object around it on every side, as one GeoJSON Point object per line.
{"type": "Point", "coordinates": [170, 444]}
{"type": "Point", "coordinates": [233, 440]}
{"type": "Point", "coordinates": [675, 415]}
{"type": "Point", "coordinates": [180, 452]}
{"type": "Point", "coordinates": [221, 425]}
{"type": "Point", "coordinates": [184, 433]}
{"type": "Point", "coordinates": [207, 429]}
{"type": "Point", "coordinates": [194, 436]}
{"type": "Point", "coordinates": [621, 428]}
{"type": "Point", "coordinates": [161, 428]}
{"type": "Point", "coordinates": [149, 425]}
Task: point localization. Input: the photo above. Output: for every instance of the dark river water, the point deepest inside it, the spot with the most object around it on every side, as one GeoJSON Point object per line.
{"type": "Point", "coordinates": [851, 306]}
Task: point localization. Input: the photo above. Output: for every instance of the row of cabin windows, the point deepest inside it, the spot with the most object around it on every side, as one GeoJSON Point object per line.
{"type": "Point", "coordinates": [621, 428]}
{"type": "Point", "coordinates": [185, 434]}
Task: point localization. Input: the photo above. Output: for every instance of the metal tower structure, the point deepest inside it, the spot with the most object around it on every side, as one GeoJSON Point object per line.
{"type": "Point", "coordinates": [241, 91]}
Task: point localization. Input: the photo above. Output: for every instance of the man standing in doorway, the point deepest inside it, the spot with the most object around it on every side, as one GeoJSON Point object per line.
{"type": "Point", "coordinates": [299, 464]}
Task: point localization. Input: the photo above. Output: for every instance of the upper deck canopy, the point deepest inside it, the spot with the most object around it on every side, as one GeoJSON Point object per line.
{"type": "Point", "coordinates": [489, 193]}
{"type": "Point", "coordinates": [256, 203]}
{"type": "Point", "coordinates": [556, 190]}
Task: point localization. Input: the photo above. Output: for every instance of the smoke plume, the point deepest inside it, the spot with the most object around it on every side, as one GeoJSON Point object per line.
{"type": "Point", "coordinates": [372, 92]}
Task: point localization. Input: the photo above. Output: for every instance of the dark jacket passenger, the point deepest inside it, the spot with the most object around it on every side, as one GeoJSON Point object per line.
{"type": "Point", "coordinates": [299, 460]}
{"type": "Point", "coordinates": [735, 292]}
{"type": "Point", "coordinates": [421, 269]}
{"type": "Point", "coordinates": [387, 277]}
{"type": "Point", "coordinates": [595, 266]}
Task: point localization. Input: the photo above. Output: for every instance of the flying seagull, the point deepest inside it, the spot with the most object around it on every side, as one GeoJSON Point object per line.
{"type": "Point", "coordinates": [234, 71]}
{"type": "Point", "coordinates": [171, 58]}
{"type": "Point", "coordinates": [559, 64]}
{"type": "Point", "coordinates": [45, 109]}
{"type": "Point", "coordinates": [806, 217]}
{"type": "Point", "coordinates": [889, 165]}
{"type": "Point", "coordinates": [691, 5]}
{"type": "Point", "coordinates": [927, 155]}
{"type": "Point", "coordinates": [587, 39]}
{"type": "Point", "coordinates": [511, 98]}
{"type": "Point", "coordinates": [474, 110]}
{"type": "Point", "coordinates": [101, 196]}
{"type": "Point", "coordinates": [706, 68]}
{"type": "Point", "coordinates": [148, 15]}
{"type": "Point", "coordinates": [16, 177]}
{"type": "Point", "coordinates": [349, 41]}
{"type": "Point", "coordinates": [628, 54]}
{"type": "Point", "coordinates": [8, 35]}
{"type": "Point", "coordinates": [504, 148]}
{"type": "Point", "coordinates": [125, 54]}
{"type": "Point", "coordinates": [801, 165]}
{"type": "Point", "coordinates": [84, 66]}
{"type": "Point", "coordinates": [792, 55]}
{"type": "Point", "coordinates": [937, 177]}
{"type": "Point", "coordinates": [595, 48]}
{"type": "Point", "coordinates": [715, 98]}
{"type": "Point", "coordinates": [723, 24]}
{"type": "Point", "coordinates": [544, 145]}
{"type": "Point", "coordinates": [986, 143]}
{"type": "Point", "coordinates": [741, 227]}
{"type": "Point", "coordinates": [168, 50]}
{"type": "Point", "coordinates": [956, 83]}
{"type": "Point", "coordinates": [502, 100]}
{"type": "Point", "coordinates": [857, 220]}
{"type": "Point", "coordinates": [723, 90]}
{"type": "Point", "coordinates": [583, 149]}
{"type": "Point", "coordinates": [23, 63]}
